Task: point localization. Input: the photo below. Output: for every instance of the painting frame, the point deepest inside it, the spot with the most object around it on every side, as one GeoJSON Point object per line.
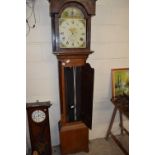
{"type": "Point", "coordinates": [120, 82]}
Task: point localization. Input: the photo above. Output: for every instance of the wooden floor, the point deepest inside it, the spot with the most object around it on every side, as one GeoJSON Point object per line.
{"type": "Point", "coordinates": [101, 147]}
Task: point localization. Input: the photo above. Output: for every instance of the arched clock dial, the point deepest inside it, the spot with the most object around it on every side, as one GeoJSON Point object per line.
{"type": "Point", "coordinates": [38, 116]}
{"type": "Point", "coordinates": [72, 29]}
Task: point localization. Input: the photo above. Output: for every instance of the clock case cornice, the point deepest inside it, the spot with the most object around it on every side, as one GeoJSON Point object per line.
{"type": "Point", "coordinates": [56, 5]}
{"type": "Point", "coordinates": [38, 104]}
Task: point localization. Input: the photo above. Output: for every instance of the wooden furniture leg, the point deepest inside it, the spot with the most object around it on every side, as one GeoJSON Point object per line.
{"type": "Point", "coordinates": [121, 122]}
{"type": "Point", "coordinates": [122, 105]}
{"type": "Point", "coordinates": [121, 127]}
{"type": "Point", "coordinates": [119, 144]}
{"type": "Point", "coordinates": [111, 122]}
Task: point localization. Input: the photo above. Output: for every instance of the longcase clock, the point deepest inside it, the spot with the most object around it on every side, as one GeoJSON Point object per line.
{"type": "Point", "coordinates": [71, 36]}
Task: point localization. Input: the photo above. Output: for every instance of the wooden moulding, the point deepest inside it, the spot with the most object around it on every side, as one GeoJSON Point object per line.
{"type": "Point", "coordinates": [56, 5]}
{"type": "Point", "coordinates": [73, 55]}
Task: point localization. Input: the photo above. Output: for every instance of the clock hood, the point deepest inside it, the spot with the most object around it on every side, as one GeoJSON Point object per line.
{"type": "Point", "coordinates": [56, 5]}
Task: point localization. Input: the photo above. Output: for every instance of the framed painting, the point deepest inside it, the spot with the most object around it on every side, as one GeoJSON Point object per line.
{"type": "Point", "coordinates": [120, 82]}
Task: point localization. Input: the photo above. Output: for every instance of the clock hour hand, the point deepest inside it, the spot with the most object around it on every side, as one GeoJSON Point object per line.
{"type": "Point", "coordinates": [72, 30]}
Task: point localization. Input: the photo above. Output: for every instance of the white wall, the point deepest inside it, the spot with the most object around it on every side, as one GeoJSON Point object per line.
{"type": "Point", "coordinates": [110, 43]}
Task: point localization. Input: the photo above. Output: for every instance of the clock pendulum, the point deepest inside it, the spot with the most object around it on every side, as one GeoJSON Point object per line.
{"type": "Point", "coordinates": [71, 39]}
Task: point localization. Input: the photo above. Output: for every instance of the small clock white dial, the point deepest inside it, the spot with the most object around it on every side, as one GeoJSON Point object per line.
{"type": "Point", "coordinates": [38, 116]}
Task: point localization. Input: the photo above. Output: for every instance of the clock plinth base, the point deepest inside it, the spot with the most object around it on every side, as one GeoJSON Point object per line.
{"type": "Point", "coordinates": [73, 138]}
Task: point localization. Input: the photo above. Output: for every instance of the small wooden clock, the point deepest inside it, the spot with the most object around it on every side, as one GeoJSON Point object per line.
{"type": "Point", "coordinates": [38, 119]}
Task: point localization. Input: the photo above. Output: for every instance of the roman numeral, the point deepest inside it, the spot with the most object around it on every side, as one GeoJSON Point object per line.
{"type": "Point", "coordinates": [62, 33]}
{"type": "Point", "coordinates": [81, 39]}
{"type": "Point", "coordinates": [63, 38]}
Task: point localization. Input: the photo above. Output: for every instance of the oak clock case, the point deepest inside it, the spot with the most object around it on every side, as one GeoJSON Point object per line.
{"type": "Point", "coordinates": [71, 35]}
{"type": "Point", "coordinates": [38, 119]}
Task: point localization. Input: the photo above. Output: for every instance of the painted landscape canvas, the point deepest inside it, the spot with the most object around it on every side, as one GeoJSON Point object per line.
{"type": "Point", "coordinates": [120, 82]}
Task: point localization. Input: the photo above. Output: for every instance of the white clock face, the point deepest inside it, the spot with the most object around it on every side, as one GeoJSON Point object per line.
{"type": "Point", "coordinates": [38, 116]}
{"type": "Point", "coordinates": [72, 29]}
{"type": "Point", "coordinates": [72, 33]}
